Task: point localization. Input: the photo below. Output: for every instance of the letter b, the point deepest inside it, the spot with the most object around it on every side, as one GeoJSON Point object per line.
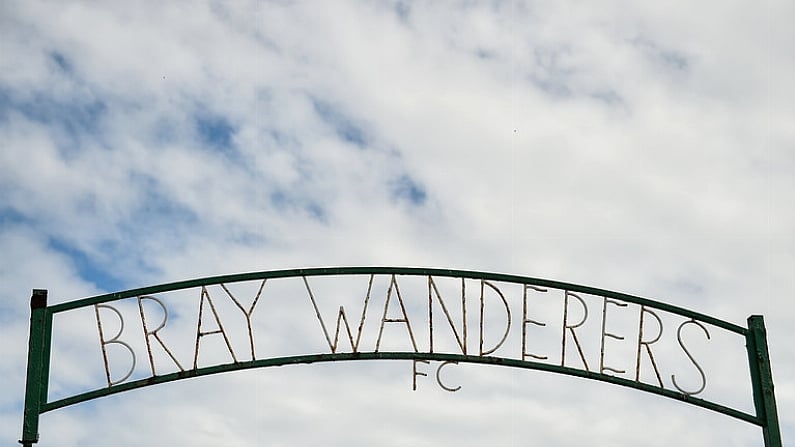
{"type": "Point", "coordinates": [113, 340]}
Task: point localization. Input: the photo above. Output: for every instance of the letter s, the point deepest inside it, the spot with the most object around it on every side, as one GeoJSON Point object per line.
{"type": "Point", "coordinates": [690, 356]}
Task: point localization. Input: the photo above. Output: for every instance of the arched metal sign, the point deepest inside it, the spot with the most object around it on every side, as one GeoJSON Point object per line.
{"type": "Point", "coordinates": [514, 327]}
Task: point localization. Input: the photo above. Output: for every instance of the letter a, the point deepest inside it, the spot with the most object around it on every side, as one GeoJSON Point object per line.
{"type": "Point", "coordinates": [405, 319]}
{"type": "Point", "coordinates": [220, 330]}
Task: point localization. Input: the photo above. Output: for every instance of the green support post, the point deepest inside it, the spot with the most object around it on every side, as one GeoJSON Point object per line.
{"type": "Point", "coordinates": [38, 358]}
{"type": "Point", "coordinates": [762, 380]}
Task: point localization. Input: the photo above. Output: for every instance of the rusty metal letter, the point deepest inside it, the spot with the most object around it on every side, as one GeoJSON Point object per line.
{"type": "Point", "coordinates": [439, 377]}
{"type": "Point", "coordinates": [462, 341]}
{"type": "Point", "coordinates": [113, 340]}
{"type": "Point", "coordinates": [602, 367]}
{"type": "Point", "coordinates": [484, 283]}
{"type": "Point", "coordinates": [647, 343]}
{"type": "Point", "coordinates": [567, 294]}
{"type": "Point", "coordinates": [148, 333]}
{"type": "Point", "coordinates": [247, 313]}
{"type": "Point", "coordinates": [690, 356]}
{"type": "Point", "coordinates": [341, 317]}
{"type": "Point", "coordinates": [416, 373]}
{"type": "Point", "coordinates": [220, 330]}
{"type": "Point", "coordinates": [525, 320]}
{"type": "Point", "coordinates": [394, 285]}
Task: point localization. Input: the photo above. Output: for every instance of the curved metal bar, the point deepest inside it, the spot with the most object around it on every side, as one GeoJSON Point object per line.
{"type": "Point", "coordinates": [410, 271]}
{"type": "Point", "coordinates": [442, 357]}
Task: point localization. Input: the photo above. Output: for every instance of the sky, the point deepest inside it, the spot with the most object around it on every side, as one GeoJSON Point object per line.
{"type": "Point", "coordinates": [645, 148]}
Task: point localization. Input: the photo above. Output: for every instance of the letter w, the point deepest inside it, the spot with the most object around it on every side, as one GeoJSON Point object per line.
{"type": "Point", "coordinates": [342, 317]}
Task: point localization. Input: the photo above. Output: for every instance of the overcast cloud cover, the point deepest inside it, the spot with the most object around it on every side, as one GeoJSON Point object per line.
{"type": "Point", "coordinates": [639, 147]}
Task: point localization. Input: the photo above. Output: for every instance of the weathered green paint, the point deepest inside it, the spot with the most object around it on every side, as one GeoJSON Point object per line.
{"type": "Point", "coordinates": [38, 361]}
{"type": "Point", "coordinates": [762, 380]}
{"type": "Point", "coordinates": [36, 397]}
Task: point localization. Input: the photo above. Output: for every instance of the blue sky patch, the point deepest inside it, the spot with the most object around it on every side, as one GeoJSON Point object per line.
{"type": "Point", "coordinates": [609, 97]}
{"type": "Point", "coordinates": [670, 58]}
{"type": "Point", "coordinates": [157, 213]}
{"type": "Point", "coordinates": [215, 131]}
{"type": "Point", "coordinates": [403, 10]}
{"type": "Point", "coordinates": [405, 188]}
{"type": "Point", "coordinates": [279, 200]}
{"type": "Point", "coordinates": [74, 118]}
{"type": "Point", "coordinates": [5, 103]}
{"type": "Point", "coordinates": [552, 86]}
{"type": "Point", "coordinates": [283, 202]}
{"type": "Point", "coordinates": [316, 211]}
{"type": "Point", "coordinates": [61, 61]}
{"type": "Point", "coordinates": [88, 268]}
{"type": "Point", "coordinates": [10, 216]}
{"type": "Point", "coordinates": [158, 210]}
{"type": "Point", "coordinates": [674, 59]}
{"type": "Point", "coordinates": [343, 125]}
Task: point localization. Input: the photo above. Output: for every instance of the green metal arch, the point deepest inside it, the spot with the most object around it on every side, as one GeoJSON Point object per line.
{"type": "Point", "coordinates": [399, 271]}
{"type": "Point", "coordinates": [42, 317]}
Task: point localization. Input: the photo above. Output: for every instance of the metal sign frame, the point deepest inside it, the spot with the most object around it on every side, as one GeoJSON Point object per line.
{"type": "Point", "coordinates": [41, 323]}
